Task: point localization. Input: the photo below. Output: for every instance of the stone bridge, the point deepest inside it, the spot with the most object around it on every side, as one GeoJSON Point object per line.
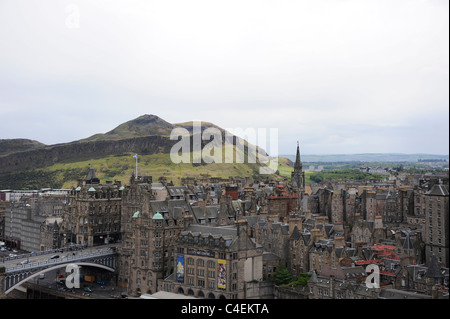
{"type": "Point", "coordinates": [14, 276]}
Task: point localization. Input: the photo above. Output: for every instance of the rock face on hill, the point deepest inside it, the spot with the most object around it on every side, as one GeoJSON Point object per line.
{"type": "Point", "coordinates": [79, 151]}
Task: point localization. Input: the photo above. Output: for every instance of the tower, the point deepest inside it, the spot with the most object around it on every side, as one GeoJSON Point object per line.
{"type": "Point", "coordinates": [298, 176]}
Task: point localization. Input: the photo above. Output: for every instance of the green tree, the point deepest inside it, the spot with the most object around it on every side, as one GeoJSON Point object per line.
{"type": "Point", "coordinates": [282, 275]}
{"type": "Point", "coordinates": [301, 280]}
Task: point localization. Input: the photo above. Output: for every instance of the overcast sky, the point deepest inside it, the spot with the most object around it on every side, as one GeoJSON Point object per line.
{"type": "Point", "coordinates": [340, 76]}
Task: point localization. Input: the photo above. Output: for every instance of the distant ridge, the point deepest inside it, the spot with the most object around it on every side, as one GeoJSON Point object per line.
{"type": "Point", "coordinates": [8, 146]}
{"type": "Point", "coordinates": [368, 157]}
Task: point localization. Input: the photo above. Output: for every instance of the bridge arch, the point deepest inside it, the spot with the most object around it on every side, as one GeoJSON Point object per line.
{"type": "Point", "coordinates": [92, 264]}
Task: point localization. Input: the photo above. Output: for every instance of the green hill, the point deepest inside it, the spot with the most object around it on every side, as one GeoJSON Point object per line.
{"type": "Point", "coordinates": [111, 154]}
{"type": "Point", "coordinates": [144, 125]}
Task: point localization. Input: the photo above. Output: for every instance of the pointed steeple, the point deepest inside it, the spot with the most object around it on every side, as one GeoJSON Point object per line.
{"type": "Point", "coordinates": [298, 163]}
{"type": "Point", "coordinates": [298, 176]}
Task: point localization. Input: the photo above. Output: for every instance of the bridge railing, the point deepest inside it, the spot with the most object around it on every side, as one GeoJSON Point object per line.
{"type": "Point", "coordinates": [61, 260]}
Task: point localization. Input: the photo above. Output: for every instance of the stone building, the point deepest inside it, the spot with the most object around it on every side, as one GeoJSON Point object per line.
{"type": "Point", "coordinates": [368, 232]}
{"type": "Point", "coordinates": [23, 224]}
{"type": "Point", "coordinates": [148, 228]}
{"type": "Point", "coordinates": [422, 279]}
{"type": "Point", "coordinates": [51, 234]}
{"type": "Point", "coordinates": [92, 212]}
{"type": "Point", "coordinates": [273, 236]}
{"type": "Point", "coordinates": [341, 282]}
{"type": "Point", "coordinates": [215, 262]}
{"type": "Point", "coordinates": [369, 205]}
{"type": "Point", "coordinates": [23, 218]}
{"type": "Point", "coordinates": [282, 202]}
{"type": "Point", "coordinates": [435, 203]}
{"type": "Point", "coordinates": [309, 235]}
{"type": "Point", "coordinates": [338, 203]}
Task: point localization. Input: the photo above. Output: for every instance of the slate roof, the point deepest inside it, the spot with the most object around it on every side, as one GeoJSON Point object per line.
{"type": "Point", "coordinates": [91, 174]}
{"type": "Point", "coordinates": [295, 234]}
{"type": "Point", "coordinates": [438, 190]}
{"type": "Point", "coordinates": [175, 208]}
{"type": "Point", "coordinates": [228, 235]}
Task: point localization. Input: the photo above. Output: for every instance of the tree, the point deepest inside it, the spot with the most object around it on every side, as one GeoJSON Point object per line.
{"type": "Point", "coordinates": [302, 280]}
{"type": "Point", "coordinates": [282, 275]}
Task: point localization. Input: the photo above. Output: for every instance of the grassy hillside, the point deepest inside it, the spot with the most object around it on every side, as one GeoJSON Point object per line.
{"type": "Point", "coordinates": [120, 168]}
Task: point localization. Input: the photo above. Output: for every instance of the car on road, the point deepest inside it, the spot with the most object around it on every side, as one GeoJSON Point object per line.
{"type": "Point", "coordinates": [88, 289]}
{"type": "Point", "coordinates": [54, 257]}
{"type": "Point", "coordinates": [23, 262]}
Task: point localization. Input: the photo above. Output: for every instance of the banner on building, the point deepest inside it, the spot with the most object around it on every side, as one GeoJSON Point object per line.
{"type": "Point", "coordinates": [222, 274]}
{"type": "Point", "coordinates": [180, 268]}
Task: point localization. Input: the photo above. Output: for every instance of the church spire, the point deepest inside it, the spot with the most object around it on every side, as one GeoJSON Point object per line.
{"type": "Point", "coordinates": [298, 163]}
{"type": "Point", "coordinates": [298, 176]}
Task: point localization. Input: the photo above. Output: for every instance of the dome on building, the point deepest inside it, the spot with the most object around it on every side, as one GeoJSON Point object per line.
{"type": "Point", "coordinates": [157, 216]}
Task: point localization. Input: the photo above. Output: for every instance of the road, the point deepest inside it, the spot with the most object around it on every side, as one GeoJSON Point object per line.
{"type": "Point", "coordinates": [8, 262]}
